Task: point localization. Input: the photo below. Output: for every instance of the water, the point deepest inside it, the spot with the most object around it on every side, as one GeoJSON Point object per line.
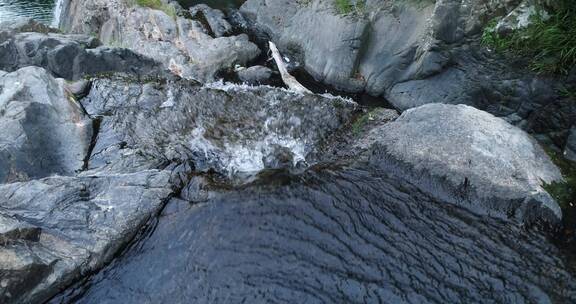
{"type": "Point", "coordinates": [41, 10]}
{"type": "Point", "coordinates": [334, 234]}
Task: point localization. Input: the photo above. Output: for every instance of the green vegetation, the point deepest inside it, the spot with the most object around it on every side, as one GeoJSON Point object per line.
{"type": "Point", "coordinates": [568, 92]}
{"type": "Point", "coordinates": [363, 120]}
{"type": "Point", "coordinates": [345, 7]}
{"type": "Point", "coordinates": [550, 43]}
{"type": "Point", "coordinates": [170, 10]}
{"type": "Point", "coordinates": [564, 192]}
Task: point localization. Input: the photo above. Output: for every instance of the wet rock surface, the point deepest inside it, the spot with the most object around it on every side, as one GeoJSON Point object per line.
{"type": "Point", "coordinates": [190, 190]}
{"type": "Point", "coordinates": [148, 137]}
{"type": "Point", "coordinates": [58, 229]}
{"type": "Point", "coordinates": [223, 127]}
{"type": "Point", "coordinates": [338, 234]}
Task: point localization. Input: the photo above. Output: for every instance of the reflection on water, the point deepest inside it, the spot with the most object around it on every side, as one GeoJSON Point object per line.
{"type": "Point", "coordinates": [40, 10]}
{"type": "Point", "coordinates": [219, 4]}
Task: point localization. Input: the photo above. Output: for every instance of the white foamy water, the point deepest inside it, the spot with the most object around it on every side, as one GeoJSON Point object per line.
{"type": "Point", "coordinates": [249, 155]}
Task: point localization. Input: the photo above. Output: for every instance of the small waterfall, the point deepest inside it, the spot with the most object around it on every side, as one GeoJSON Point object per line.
{"type": "Point", "coordinates": [58, 8]}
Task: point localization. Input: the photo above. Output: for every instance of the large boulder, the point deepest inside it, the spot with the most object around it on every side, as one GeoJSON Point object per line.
{"type": "Point", "coordinates": [71, 56]}
{"type": "Point", "coordinates": [476, 159]}
{"type": "Point", "coordinates": [182, 45]}
{"type": "Point", "coordinates": [44, 130]}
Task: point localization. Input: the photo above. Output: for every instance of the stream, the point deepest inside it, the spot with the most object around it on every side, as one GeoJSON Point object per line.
{"type": "Point", "coordinates": [337, 232]}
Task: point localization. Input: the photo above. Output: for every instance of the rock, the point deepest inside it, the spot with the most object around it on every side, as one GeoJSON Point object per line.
{"type": "Point", "coordinates": [21, 26]}
{"type": "Point", "coordinates": [384, 44]}
{"type": "Point", "coordinates": [182, 45]}
{"type": "Point", "coordinates": [412, 53]}
{"type": "Point", "coordinates": [481, 161]}
{"type": "Point", "coordinates": [72, 56]}
{"type": "Point", "coordinates": [346, 234]}
{"type": "Point", "coordinates": [225, 128]}
{"type": "Point", "coordinates": [215, 19]}
{"type": "Point", "coordinates": [78, 88]}
{"type": "Point", "coordinates": [521, 17]}
{"type": "Point", "coordinates": [56, 230]}
{"type": "Point", "coordinates": [255, 75]}
{"type": "Point", "coordinates": [45, 131]}
{"type": "Point", "coordinates": [570, 150]}
{"type": "Point", "coordinates": [328, 43]}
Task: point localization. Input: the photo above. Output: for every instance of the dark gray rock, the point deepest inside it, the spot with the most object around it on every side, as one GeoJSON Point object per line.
{"type": "Point", "coordinates": [255, 75]}
{"type": "Point", "coordinates": [72, 56]}
{"type": "Point", "coordinates": [570, 150]}
{"type": "Point", "coordinates": [414, 53]}
{"type": "Point", "coordinates": [216, 20]}
{"type": "Point", "coordinates": [56, 230]}
{"type": "Point", "coordinates": [375, 47]}
{"type": "Point", "coordinates": [314, 34]}
{"type": "Point", "coordinates": [335, 234]}
{"type": "Point", "coordinates": [44, 130]}
{"type": "Point", "coordinates": [492, 166]}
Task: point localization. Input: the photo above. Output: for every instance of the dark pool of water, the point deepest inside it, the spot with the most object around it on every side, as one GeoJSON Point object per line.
{"type": "Point", "coordinates": [219, 4]}
{"type": "Point", "coordinates": [41, 10]}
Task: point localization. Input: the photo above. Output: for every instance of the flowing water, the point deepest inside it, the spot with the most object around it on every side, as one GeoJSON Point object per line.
{"type": "Point", "coordinates": [333, 234]}
{"type": "Point", "coordinates": [337, 233]}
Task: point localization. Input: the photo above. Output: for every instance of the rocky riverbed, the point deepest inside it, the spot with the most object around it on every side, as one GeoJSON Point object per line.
{"type": "Point", "coordinates": [131, 172]}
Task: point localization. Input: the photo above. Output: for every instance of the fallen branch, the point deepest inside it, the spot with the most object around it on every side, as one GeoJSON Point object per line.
{"type": "Point", "coordinates": [288, 79]}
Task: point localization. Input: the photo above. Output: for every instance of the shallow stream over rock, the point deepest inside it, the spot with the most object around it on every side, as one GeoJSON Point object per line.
{"type": "Point", "coordinates": [342, 233]}
{"type": "Point", "coordinates": [189, 190]}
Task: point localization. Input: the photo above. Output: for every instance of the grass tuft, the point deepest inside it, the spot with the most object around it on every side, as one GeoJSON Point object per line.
{"type": "Point", "coordinates": [550, 43]}
{"type": "Point", "coordinates": [345, 7]}
{"type": "Point", "coordinates": [563, 192]}
{"type": "Point", "coordinates": [170, 10]}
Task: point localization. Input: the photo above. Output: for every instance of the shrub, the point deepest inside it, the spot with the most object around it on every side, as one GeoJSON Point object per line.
{"type": "Point", "coordinates": [551, 43]}
{"type": "Point", "coordinates": [563, 192]}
